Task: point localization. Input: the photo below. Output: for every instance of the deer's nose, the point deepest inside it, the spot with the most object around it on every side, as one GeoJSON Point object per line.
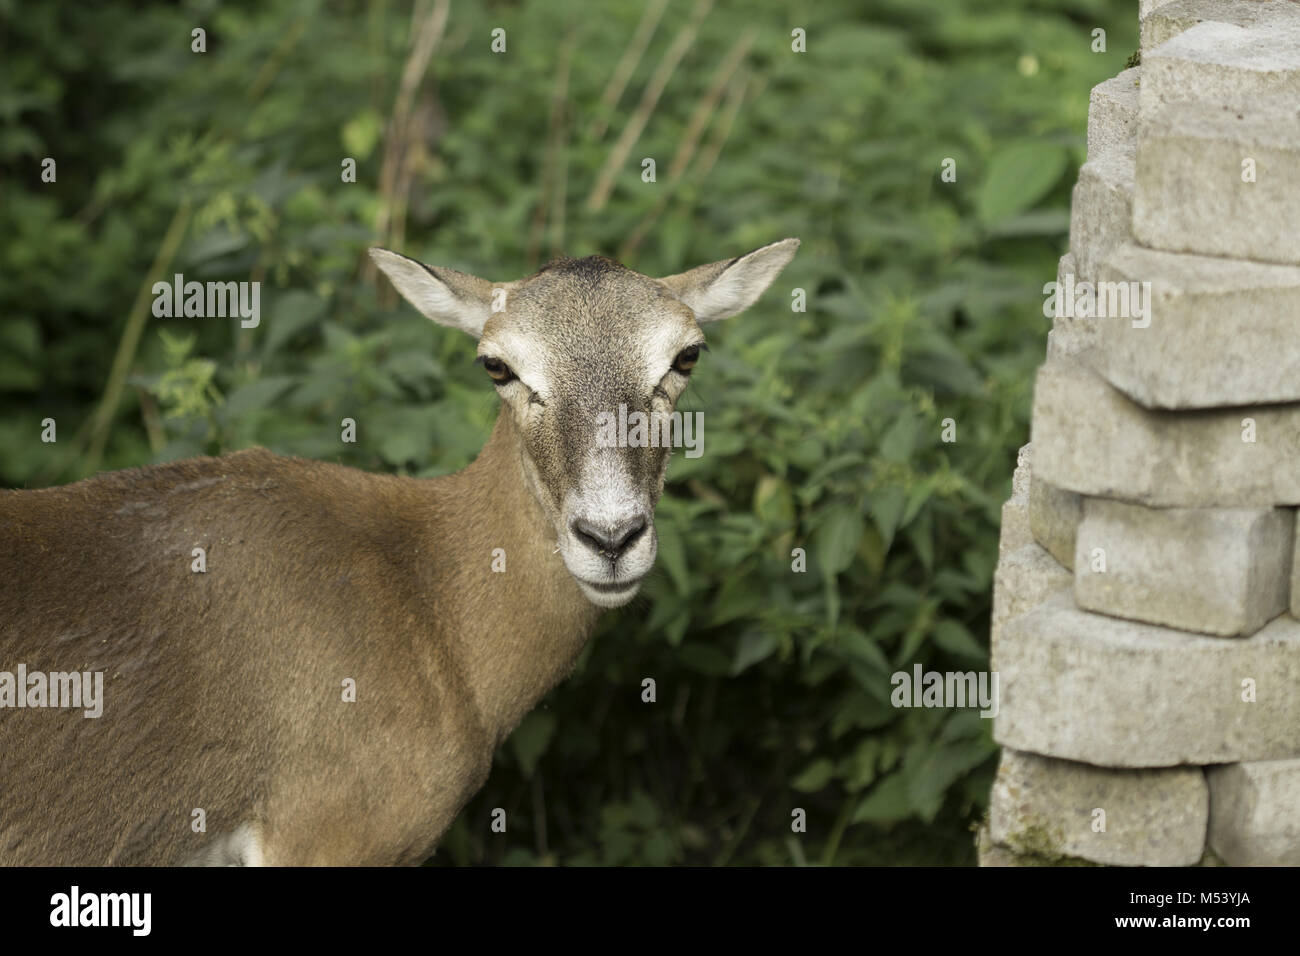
{"type": "Point", "coordinates": [608, 542]}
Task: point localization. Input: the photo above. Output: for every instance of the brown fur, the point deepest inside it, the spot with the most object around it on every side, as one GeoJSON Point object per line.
{"type": "Point", "coordinates": [224, 690]}
{"type": "Point", "coordinates": [226, 694]}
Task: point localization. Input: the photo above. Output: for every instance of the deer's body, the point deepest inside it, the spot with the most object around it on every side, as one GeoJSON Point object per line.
{"type": "Point", "coordinates": [254, 730]}
{"type": "Point", "coordinates": [223, 690]}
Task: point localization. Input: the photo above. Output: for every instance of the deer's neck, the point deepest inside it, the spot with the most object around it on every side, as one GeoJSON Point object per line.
{"type": "Point", "coordinates": [516, 632]}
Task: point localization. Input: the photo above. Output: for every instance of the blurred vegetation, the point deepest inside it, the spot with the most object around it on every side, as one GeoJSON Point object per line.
{"type": "Point", "coordinates": [923, 303]}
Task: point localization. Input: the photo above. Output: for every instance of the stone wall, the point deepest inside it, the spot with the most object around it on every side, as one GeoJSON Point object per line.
{"type": "Point", "coordinates": [1146, 602]}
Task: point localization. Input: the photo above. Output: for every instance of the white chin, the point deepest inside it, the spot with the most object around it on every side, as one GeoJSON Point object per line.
{"type": "Point", "coordinates": [610, 596]}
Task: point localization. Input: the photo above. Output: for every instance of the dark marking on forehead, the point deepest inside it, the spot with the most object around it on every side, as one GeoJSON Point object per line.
{"type": "Point", "coordinates": [593, 286]}
{"type": "Point", "coordinates": [590, 268]}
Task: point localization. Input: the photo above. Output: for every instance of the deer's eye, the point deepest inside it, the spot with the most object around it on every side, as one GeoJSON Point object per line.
{"type": "Point", "coordinates": [498, 370]}
{"type": "Point", "coordinates": [686, 359]}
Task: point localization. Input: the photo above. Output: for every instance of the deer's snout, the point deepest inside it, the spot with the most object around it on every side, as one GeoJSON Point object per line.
{"type": "Point", "coordinates": [608, 554]}
{"type": "Point", "coordinates": [609, 541]}
{"type": "Point", "coordinates": [605, 528]}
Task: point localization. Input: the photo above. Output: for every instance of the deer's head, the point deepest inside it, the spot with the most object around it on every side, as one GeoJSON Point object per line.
{"type": "Point", "coordinates": [574, 351]}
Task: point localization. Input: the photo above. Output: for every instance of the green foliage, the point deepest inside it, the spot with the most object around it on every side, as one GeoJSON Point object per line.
{"type": "Point", "coordinates": [823, 427]}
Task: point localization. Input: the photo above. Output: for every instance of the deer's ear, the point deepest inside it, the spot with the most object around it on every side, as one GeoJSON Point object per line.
{"type": "Point", "coordinates": [722, 289]}
{"type": "Point", "coordinates": [452, 298]}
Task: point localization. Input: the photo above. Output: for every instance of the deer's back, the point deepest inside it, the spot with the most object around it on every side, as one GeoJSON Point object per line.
{"type": "Point", "coordinates": [223, 689]}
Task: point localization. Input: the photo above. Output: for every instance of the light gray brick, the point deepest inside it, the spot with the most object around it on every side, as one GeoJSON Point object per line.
{"type": "Point", "coordinates": [1051, 807]}
{"type": "Point", "coordinates": [1023, 579]}
{"type": "Point", "coordinates": [1090, 438]}
{"type": "Point", "coordinates": [1113, 115]}
{"type": "Point", "coordinates": [1014, 533]}
{"type": "Point", "coordinates": [1148, 7]}
{"type": "Point", "coordinates": [1222, 571]}
{"type": "Point", "coordinates": [1190, 196]}
{"type": "Point", "coordinates": [1220, 63]}
{"type": "Point", "coordinates": [989, 854]}
{"type": "Point", "coordinates": [1101, 212]}
{"type": "Point", "coordinates": [1162, 21]}
{"type": "Point", "coordinates": [1215, 331]}
{"type": "Point", "coordinates": [1295, 572]}
{"type": "Point", "coordinates": [1255, 813]}
{"type": "Point", "coordinates": [1020, 478]}
{"type": "Point", "coordinates": [1070, 335]}
{"type": "Point", "coordinates": [1054, 516]}
{"type": "Point", "coordinates": [1115, 693]}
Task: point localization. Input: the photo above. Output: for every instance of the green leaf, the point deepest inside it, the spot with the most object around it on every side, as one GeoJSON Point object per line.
{"type": "Point", "coordinates": [954, 638]}
{"type": "Point", "coordinates": [815, 776]}
{"type": "Point", "coordinates": [672, 555]}
{"type": "Point", "coordinates": [966, 724]}
{"type": "Point", "coordinates": [936, 769]}
{"type": "Point", "coordinates": [1019, 175]}
{"type": "Point", "coordinates": [676, 629]}
{"type": "Point", "coordinates": [836, 538]}
{"type": "Point", "coordinates": [916, 632]}
{"type": "Point", "coordinates": [532, 738]}
{"type": "Point", "coordinates": [704, 659]}
{"type": "Point", "coordinates": [254, 396]}
{"type": "Point", "coordinates": [361, 133]}
{"type": "Point", "coordinates": [916, 498]}
{"type": "Point", "coordinates": [863, 648]}
{"type": "Point", "coordinates": [417, 371]}
{"type": "Point", "coordinates": [754, 646]}
{"type": "Point", "coordinates": [861, 712]}
{"type": "Point", "coordinates": [403, 433]}
{"type": "Point", "coordinates": [886, 507]}
{"type": "Point", "coordinates": [20, 336]}
{"type": "Point", "coordinates": [736, 599]}
{"type": "Point", "coordinates": [888, 802]}
{"type": "Point", "coordinates": [900, 440]}
{"type": "Point", "coordinates": [659, 849]}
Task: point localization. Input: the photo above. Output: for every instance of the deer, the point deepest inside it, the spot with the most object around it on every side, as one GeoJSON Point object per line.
{"type": "Point", "coordinates": [327, 683]}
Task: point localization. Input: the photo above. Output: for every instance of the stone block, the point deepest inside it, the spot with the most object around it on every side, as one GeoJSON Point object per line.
{"type": "Point", "coordinates": [1113, 115]}
{"type": "Point", "coordinates": [1054, 516]}
{"type": "Point", "coordinates": [989, 854]}
{"type": "Point", "coordinates": [1162, 20]}
{"type": "Point", "coordinates": [1048, 807]}
{"type": "Point", "coordinates": [1295, 572]}
{"type": "Point", "coordinates": [1090, 438]}
{"type": "Point", "coordinates": [1014, 533]}
{"type": "Point", "coordinates": [1101, 212]}
{"type": "Point", "coordinates": [1020, 478]}
{"type": "Point", "coordinates": [1221, 63]}
{"type": "Point", "coordinates": [1212, 332]}
{"type": "Point", "coordinates": [1255, 813]}
{"type": "Point", "coordinates": [1071, 333]}
{"type": "Point", "coordinates": [1024, 579]}
{"type": "Point", "coordinates": [1191, 190]}
{"type": "Point", "coordinates": [1224, 571]}
{"type": "Point", "coordinates": [1115, 693]}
